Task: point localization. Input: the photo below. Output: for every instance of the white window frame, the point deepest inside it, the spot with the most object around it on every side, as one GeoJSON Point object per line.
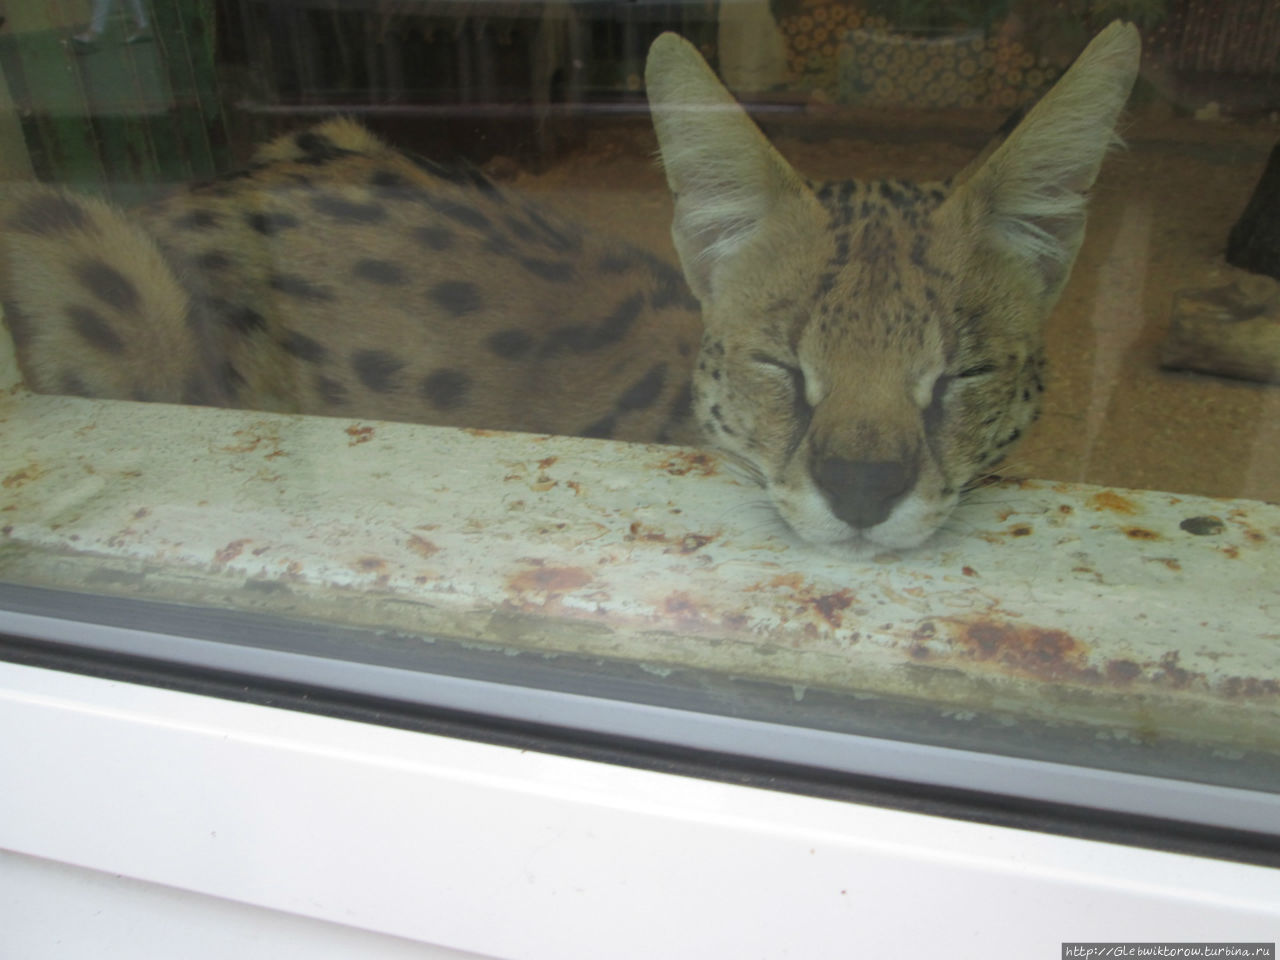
{"type": "Point", "coordinates": [510, 853]}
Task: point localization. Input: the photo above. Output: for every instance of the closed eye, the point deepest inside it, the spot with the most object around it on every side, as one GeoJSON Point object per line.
{"type": "Point", "coordinates": [933, 412]}
{"type": "Point", "coordinates": [801, 412]}
{"type": "Point", "coordinates": [980, 370]}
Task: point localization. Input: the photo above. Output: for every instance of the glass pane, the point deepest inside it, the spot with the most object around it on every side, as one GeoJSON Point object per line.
{"type": "Point", "coordinates": [372, 335]}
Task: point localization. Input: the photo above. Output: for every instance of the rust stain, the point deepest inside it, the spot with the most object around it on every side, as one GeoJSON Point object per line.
{"type": "Point", "coordinates": [1232, 552]}
{"type": "Point", "coordinates": [546, 462]}
{"type": "Point", "coordinates": [249, 443]}
{"type": "Point", "coordinates": [969, 571]}
{"type": "Point", "coordinates": [693, 542]}
{"type": "Point", "coordinates": [1123, 671]}
{"type": "Point", "coordinates": [829, 606]}
{"type": "Point", "coordinates": [1065, 508]}
{"type": "Point", "coordinates": [1022, 530]}
{"type": "Point", "coordinates": [793, 580]}
{"type": "Point", "coordinates": [1034, 651]}
{"type": "Point", "coordinates": [575, 486]}
{"type": "Point", "coordinates": [689, 461]}
{"type": "Point", "coordinates": [681, 607]}
{"type": "Point", "coordinates": [1236, 687]}
{"type": "Point", "coordinates": [478, 432]}
{"type": "Point", "coordinates": [1170, 562]}
{"type": "Point", "coordinates": [230, 551]}
{"type": "Point", "coordinates": [1141, 533]}
{"type": "Point", "coordinates": [421, 546]}
{"type": "Point", "coordinates": [549, 580]}
{"type": "Point", "coordinates": [687, 544]}
{"type": "Point", "coordinates": [359, 434]}
{"type": "Point", "coordinates": [19, 477]}
{"type": "Point", "coordinates": [638, 531]}
{"type": "Point", "coordinates": [1110, 500]}
{"type": "Point", "coordinates": [370, 564]}
{"type": "Point", "coordinates": [1173, 674]}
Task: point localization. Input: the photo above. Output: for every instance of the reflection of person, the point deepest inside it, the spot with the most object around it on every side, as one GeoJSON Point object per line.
{"type": "Point", "coordinates": [88, 39]}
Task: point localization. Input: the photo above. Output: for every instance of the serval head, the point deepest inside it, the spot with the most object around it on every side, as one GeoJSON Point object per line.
{"type": "Point", "coordinates": [870, 349]}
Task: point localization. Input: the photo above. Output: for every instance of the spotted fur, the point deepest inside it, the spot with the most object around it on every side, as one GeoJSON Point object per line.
{"type": "Point", "coordinates": [866, 350]}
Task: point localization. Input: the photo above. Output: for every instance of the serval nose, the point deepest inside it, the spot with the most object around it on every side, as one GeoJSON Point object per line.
{"type": "Point", "coordinates": [862, 493]}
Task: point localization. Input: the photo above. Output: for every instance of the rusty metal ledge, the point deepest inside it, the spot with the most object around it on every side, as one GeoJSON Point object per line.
{"type": "Point", "coordinates": [1143, 615]}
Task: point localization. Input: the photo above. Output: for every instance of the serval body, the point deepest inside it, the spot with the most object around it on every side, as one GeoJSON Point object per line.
{"type": "Point", "coordinates": [864, 350]}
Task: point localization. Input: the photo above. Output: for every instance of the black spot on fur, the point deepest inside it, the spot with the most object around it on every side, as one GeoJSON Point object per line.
{"type": "Point", "coordinates": [445, 389]}
{"type": "Point", "coordinates": [579, 338]}
{"type": "Point", "coordinates": [213, 260]}
{"type": "Point", "coordinates": [269, 224]}
{"type": "Point", "coordinates": [296, 286]}
{"type": "Point", "coordinates": [245, 173]}
{"type": "Point", "coordinates": [552, 236]}
{"type": "Point", "coordinates": [303, 347]}
{"type": "Point", "coordinates": [330, 390]}
{"type": "Point", "coordinates": [602, 429]}
{"type": "Point", "coordinates": [437, 238]}
{"type": "Point", "coordinates": [388, 180]}
{"type": "Point", "coordinates": [460, 213]}
{"type": "Point", "coordinates": [348, 211]}
{"type": "Point", "coordinates": [317, 148]}
{"type": "Point", "coordinates": [382, 272]}
{"type": "Point", "coordinates": [520, 230]}
{"type": "Point", "coordinates": [464, 175]}
{"type": "Point", "coordinates": [50, 213]}
{"type": "Point", "coordinates": [457, 296]}
{"type": "Point", "coordinates": [95, 329]}
{"type": "Point", "coordinates": [108, 284]}
{"type": "Point", "coordinates": [615, 326]}
{"type": "Point", "coordinates": [510, 344]}
{"type": "Point", "coordinates": [616, 262]}
{"type": "Point", "coordinates": [500, 246]}
{"type": "Point", "coordinates": [669, 287]}
{"type": "Point", "coordinates": [197, 220]}
{"type": "Point", "coordinates": [681, 410]}
{"type": "Point", "coordinates": [376, 369]}
{"type": "Point", "coordinates": [552, 271]}
{"type": "Point", "coordinates": [644, 392]}
{"type": "Point", "coordinates": [240, 318]}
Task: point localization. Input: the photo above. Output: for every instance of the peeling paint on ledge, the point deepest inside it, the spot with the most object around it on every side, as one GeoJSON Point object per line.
{"type": "Point", "coordinates": [1118, 608]}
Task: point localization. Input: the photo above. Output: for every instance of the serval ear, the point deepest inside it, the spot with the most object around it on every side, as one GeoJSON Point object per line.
{"type": "Point", "coordinates": [725, 176]}
{"type": "Point", "coordinates": [1027, 200]}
